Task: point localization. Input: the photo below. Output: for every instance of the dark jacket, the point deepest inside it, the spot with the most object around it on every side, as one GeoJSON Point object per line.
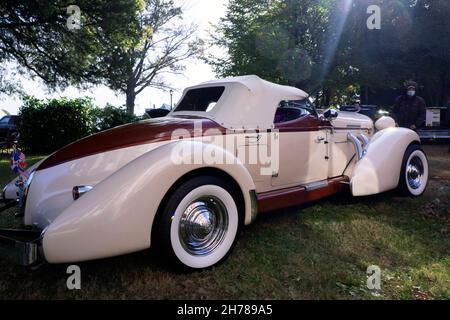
{"type": "Point", "coordinates": [409, 111]}
{"type": "Point", "coordinates": [448, 112]}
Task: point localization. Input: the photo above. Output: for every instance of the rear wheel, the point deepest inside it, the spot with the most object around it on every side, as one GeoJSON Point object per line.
{"type": "Point", "coordinates": [198, 226]}
{"type": "Point", "coordinates": [414, 172]}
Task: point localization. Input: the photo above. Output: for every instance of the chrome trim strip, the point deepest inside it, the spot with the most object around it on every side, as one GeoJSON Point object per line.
{"type": "Point", "coordinates": [316, 185]}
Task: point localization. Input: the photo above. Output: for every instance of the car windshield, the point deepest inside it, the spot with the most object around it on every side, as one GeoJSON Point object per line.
{"type": "Point", "coordinates": [289, 110]}
{"type": "Point", "coordinates": [4, 120]}
{"type": "Point", "coordinates": [304, 104]}
{"type": "Point", "coordinates": [201, 99]}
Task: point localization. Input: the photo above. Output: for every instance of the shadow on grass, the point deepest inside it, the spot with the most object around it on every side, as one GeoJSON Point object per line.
{"type": "Point", "coordinates": [316, 251]}
{"type": "Point", "coordinates": [353, 233]}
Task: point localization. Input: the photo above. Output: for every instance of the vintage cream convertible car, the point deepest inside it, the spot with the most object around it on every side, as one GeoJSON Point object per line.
{"type": "Point", "coordinates": [186, 183]}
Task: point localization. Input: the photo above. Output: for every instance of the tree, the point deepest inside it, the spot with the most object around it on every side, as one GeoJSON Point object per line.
{"type": "Point", "coordinates": [325, 47]}
{"type": "Point", "coordinates": [35, 35]}
{"type": "Point", "coordinates": [126, 44]}
{"type": "Point", "coordinates": [110, 117]}
{"type": "Point", "coordinates": [237, 34]}
{"type": "Point", "coordinates": [164, 44]}
{"type": "Point", "coordinates": [281, 41]}
{"type": "Point", "coordinates": [431, 47]}
{"type": "Point", "coordinates": [411, 44]}
{"type": "Point", "coordinates": [8, 86]}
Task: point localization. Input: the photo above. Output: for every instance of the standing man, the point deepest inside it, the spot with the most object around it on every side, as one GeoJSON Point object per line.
{"type": "Point", "coordinates": [409, 109]}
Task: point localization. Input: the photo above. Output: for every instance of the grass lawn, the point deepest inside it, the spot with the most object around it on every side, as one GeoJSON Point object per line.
{"type": "Point", "coordinates": [319, 251]}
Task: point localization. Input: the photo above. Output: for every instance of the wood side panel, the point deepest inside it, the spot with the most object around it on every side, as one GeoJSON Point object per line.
{"type": "Point", "coordinates": [150, 131]}
{"type": "Point", "coordinates": [306, 123]}
{"type": "Point", "coordinates": [284, 198]}
{"type": "Point", "coordinates": [156, 130]}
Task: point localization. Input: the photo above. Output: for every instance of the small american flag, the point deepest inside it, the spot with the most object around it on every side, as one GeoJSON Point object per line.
{"type": "Point", "coordinates": [18, 164]}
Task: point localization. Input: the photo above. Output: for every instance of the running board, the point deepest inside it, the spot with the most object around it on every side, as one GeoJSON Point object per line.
{"type": "Point", "coordinates": [285, 198]}
{"type": "Point", "coordinates": [316, 185]}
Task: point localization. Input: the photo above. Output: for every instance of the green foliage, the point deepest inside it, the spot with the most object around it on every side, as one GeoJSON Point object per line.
{"type": "Point", "coordinates": [345, 96]}
{"type": "Point", "coordinates": [278, 40]}
{"type": "Point", "coordinates": [325, 46]}
{"type": "Point", "coordinates": [164, 42]}
{"type": "Point", "coordinates": [411, 44]}
{"type": "Point", "coordinates": [35, 35]}
{"type": "Point", "coordinates": [110, 117]}
{"type": "Point", "coordinates": [115, 45]}
{"type": "Point", "coordinates": [47, 125]}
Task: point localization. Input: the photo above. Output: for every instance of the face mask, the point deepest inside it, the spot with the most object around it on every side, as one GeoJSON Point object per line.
{"type": "Point", "coordinates": [411, 93]}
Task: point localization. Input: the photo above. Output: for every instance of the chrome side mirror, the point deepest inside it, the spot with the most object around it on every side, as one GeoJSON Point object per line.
{"type": "Point", "coordinates": [330, 114]}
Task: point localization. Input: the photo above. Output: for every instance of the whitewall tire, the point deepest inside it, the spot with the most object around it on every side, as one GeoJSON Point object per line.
{"type": "Point", "coordinates": [415, 172]}
{"type": "Point", "coordinates": [199, 225]}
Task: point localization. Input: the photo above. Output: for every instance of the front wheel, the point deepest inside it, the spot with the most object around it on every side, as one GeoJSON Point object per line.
{"type": "Point", "coordinates": [414, 172]}
{"type": "Point", "coordinates": [198, 226]}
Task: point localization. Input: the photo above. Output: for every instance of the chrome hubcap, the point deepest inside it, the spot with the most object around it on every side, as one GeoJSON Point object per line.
{"type": "Point", "coordinates": [203, 225]}
{"type": "Point", "coordinates": [414, 172]}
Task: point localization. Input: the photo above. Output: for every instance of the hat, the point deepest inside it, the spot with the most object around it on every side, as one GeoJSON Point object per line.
{"type": "Point", "coordinates": [411, 84]}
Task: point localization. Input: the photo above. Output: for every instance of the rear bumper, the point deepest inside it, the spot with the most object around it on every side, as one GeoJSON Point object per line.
{"type": "Point", "coordinates": [22, 247]}
{"type": "Point", "coordinates": [434, 135]}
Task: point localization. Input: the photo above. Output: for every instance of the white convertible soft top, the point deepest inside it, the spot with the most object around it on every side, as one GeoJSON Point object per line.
{"type": "Point", "coordinates": [248, 102]}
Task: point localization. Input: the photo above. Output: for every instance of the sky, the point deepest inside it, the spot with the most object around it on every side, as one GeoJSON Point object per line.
{"type": "Point", "coordinates": [201, 12]}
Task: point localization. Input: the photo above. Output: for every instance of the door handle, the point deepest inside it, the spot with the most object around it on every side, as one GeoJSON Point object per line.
{"type": "Point", "coordinates": [320, 139]}
{"type": "Point", "coordinates": [253, 138]}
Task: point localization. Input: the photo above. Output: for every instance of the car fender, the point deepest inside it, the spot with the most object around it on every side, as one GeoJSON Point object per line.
{"type": "Point", "coordinates": [379, 170]}
{"type": "Point", "coordinates": [116, 216]}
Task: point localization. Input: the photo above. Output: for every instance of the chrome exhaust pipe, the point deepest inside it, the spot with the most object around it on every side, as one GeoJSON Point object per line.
{"type": "Point", "coordinates": [360, 152]}
{"type": "Point", "coordinates": [364, 140]}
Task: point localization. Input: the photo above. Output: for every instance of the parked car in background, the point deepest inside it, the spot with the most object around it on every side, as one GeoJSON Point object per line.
{"type": "Point", "coordinates": [157, 113]}
{"type": "Point", "coordinates": [188, 182]}
{"type": "Point", "coordinates": [368, 110]}
{"type": "Point", "coordinates": [437, 127]}
{"type": "Point", "coordinates": [8, 130]}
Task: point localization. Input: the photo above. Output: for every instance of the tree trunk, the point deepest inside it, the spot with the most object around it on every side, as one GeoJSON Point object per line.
{"type": "Point", "coordinates": [327, 96]}
{"type": "Point", "coordinates": [366, 95]}
{"type": "Point", "coordinates": [131, 97]}
{"type": "Point", "coordinates": [324, 97]}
